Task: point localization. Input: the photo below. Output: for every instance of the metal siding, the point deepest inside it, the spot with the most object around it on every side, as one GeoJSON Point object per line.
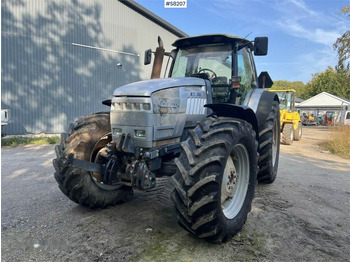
{"type": "Point", "coordinates": [48, 80]}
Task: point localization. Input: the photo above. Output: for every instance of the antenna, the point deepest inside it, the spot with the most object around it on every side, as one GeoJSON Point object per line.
{"type": "Point", "coordinates": [248, 35]}
{"type": "Point", "coordinates": [239, 46]}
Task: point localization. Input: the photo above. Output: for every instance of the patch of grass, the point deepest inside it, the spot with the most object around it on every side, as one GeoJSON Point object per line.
{"type": "Point", "coordinates": [166, 246]}
{"type": "Point", "coordinates": [253, 243]}
{"type": "Point", "coordinates": [16, 141]}
{"type": "Point", "coordinates": [339, 142]}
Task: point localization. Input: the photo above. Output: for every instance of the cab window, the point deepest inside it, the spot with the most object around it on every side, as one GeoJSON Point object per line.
{"type": "Point", "coordinates": [245, 71]}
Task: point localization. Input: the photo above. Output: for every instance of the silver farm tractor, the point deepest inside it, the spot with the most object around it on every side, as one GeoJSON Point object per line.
{"type": "Point", "coordinates": [210, 124]}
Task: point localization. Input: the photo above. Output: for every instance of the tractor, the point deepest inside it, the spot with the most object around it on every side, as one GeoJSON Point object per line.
{"type": "Point", "coordinates": [210, 125]}
{"type": "Point", "coordinates": [291, 126]}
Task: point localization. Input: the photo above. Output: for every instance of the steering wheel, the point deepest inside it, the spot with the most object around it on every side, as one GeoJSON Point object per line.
{"type": "Point", "coordinates": [206, 69]}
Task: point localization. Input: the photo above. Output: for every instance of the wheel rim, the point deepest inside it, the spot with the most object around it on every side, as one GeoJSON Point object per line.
{"type": "Point", "coordinates": [235, 181]}
{"type": "Point", "coordinates": [98, 153]}
{"type": "Point", "coordinates": [99, 156]}
{"type": "Point", "coordinates": [274, 143]}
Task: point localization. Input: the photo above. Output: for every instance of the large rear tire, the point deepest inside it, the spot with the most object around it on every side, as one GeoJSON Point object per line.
{"type": "Point", "coordinates": [215, 179]}
{"type": "Point", "coordinates": [86, 137]}
{"type": "Point", "coordinates": [269, 146]}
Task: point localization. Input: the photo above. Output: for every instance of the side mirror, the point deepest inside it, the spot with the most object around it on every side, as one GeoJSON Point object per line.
{"type": "Point", "coordinates": [148, 56]}
{"type": "Point", "coordinates": [265, 80]}
{"type": "Point", "coordinates": [260, 46]}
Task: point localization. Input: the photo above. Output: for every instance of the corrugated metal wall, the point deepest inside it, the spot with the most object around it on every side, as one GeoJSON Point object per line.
{"type": "Point", "coordinates": [59, 58]}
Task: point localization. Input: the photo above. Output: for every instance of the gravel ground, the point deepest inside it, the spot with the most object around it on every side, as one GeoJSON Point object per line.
{"type": "Point", "coordinates": [303, 216]}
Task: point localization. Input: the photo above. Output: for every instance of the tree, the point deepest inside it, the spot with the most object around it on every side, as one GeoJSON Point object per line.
{"type": "Point", "coordinates": [336, 82]}
{"type": "Point", "coordinates": [298, 86]}
{"type": "Point", "coordinates": [342, 45]}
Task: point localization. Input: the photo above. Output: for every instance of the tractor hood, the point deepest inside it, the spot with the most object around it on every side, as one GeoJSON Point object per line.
{"type": "Point", "coordinates": [147, 87]}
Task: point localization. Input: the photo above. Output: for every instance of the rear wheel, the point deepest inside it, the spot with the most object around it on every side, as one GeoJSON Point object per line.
{"type": "Point", "coordinates": [216, 178]}
{"type": "Point", "coordinates": [86, 140]}
{"type": "Point", "coordinates": [298, 132]}
{"type": "Point", "coordinates": [269, 146]}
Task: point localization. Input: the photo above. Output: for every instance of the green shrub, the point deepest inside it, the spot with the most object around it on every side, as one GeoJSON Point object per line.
{"type": "Point", "coordinates": [16, 141]}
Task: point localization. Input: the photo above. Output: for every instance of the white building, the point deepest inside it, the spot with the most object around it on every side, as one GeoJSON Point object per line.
{"type": "Point", "coordinates": [325, 103]}
{"type": "Point", "coordinates": [61, 59]}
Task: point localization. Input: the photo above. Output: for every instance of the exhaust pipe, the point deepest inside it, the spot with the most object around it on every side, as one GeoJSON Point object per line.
{"type": "Point", "coordinates": [158, 60]}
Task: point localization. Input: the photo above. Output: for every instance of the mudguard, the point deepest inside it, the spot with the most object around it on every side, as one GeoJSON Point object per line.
{"type": "Point", "coordinates": [236, 111]}
{"type": "Point", "coordinates": [260, 101]}
{"type": "Point", "coordinates": [255, 110]}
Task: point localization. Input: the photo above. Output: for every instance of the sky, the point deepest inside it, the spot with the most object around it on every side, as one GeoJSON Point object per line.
{"type": "Point", "coordinates": [301, 32]}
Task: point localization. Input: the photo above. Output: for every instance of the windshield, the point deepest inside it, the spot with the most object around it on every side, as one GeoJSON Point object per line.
{"type": "Point", "coordinates": [211, 62]}
{"type": "Point", "coordinates": [286, 100]}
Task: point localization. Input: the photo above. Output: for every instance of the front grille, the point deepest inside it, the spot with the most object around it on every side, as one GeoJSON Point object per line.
{"type": "Point", "coordinates": [130, 106]}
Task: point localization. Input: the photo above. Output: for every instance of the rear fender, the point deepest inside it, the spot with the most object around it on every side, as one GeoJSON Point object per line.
{"type": "Point", "coordinates": [236, 111]}
{"type": "Point", "coordinates": [260, 101]}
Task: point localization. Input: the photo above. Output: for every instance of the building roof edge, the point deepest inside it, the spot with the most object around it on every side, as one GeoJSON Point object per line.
{"type": "Point", "coordinates": [153, 17]}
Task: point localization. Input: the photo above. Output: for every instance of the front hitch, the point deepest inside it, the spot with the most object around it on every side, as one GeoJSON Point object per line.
{"type": "Point", "coordinates": [137, 175]}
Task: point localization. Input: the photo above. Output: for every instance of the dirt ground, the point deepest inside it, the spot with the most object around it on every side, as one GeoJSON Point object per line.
{"type": "Point", "coordinates": [303, 216]}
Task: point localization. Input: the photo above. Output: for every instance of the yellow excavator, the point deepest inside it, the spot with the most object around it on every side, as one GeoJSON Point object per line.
{"type": "Point", "coordinates": [291, 127]}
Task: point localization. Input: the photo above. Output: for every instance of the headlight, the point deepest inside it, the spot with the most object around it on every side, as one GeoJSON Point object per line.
{"type": "Point", "coordinates": [116, 131]}
{"type": "Point", "coordinates": [140, 133]}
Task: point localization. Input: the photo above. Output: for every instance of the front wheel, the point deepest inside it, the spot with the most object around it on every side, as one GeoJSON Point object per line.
{"type": "Point", "coordinates": [86, 140]}
{"type": "Point", "coordinates": [215, 179]}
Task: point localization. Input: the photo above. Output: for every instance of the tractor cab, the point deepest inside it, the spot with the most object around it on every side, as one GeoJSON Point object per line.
{"type": "Point", "coordinates": [212, 63]}
{"type": "Point", "coordinates": [224, 61]}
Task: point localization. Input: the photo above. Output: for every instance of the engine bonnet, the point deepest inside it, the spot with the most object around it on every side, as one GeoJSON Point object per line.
{"type": "Point", "coordinates": [147, 87]}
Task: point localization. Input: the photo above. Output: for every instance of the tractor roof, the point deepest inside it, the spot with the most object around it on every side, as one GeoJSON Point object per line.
{"type": "Point", "coordinates": [208, 39]}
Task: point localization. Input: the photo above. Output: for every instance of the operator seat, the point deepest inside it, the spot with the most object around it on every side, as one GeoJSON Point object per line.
{"type": "Point", "coordinates": [220, 89]}
{"type": "Point", "coordinates": [219, 80]}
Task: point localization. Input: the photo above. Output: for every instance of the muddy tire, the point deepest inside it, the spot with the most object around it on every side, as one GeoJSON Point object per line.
{"type": "Point", "coordinates": [288, 134]}
{"type": "Point", "coordinates": [269, 146]}
{"type": "Point", "coordinates": [84, 139]}
{"type": "Point", "coordinates": [218, 160]}
{"type": "Point", "coordinates": [298, 133]}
